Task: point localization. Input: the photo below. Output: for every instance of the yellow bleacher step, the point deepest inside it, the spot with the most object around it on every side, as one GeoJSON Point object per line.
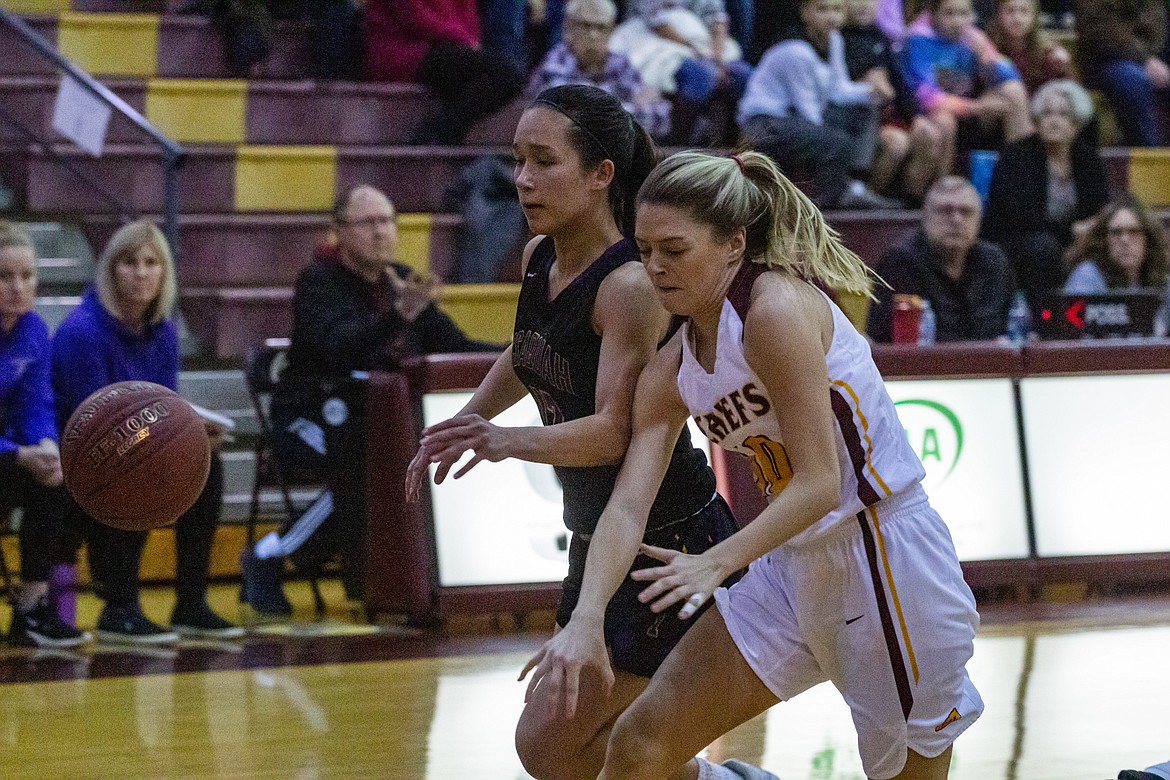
{"type": "Point", "coordinates": [209, 111]}
{"type": "Point", "coordinates": [35, 7]}
{"type": "Point", "coordinates": [285, 178]}
{"type": "Point", "coordinates": [1149, 176]}
{"type": "Point", "coordinates": [110, 44]}
{"type": "Point", "coordinates": [484, 311]}
{"type": "Point", "coordinates": [414, 241]}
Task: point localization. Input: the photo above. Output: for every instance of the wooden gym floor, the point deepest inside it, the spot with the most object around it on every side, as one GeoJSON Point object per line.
{"type": "Point", "coordinates": [1074, 691]}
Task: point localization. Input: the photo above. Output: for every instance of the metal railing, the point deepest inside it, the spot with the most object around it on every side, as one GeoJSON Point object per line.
{"type": "Point", "coordinates": [172, 153]}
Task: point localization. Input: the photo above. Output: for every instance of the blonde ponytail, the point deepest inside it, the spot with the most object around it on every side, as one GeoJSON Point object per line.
{"type": "Point", "coordinates": [784, 229]}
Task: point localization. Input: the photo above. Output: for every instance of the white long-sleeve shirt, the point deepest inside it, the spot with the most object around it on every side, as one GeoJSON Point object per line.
{"type": "Point", "coordinates": [793, 79]}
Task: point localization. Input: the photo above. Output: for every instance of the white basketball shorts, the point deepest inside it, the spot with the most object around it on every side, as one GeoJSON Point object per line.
{"type": "Point", "coordinates": [878, 606]}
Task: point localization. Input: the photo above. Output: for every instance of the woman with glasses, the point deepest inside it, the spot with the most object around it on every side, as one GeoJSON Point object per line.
{"type": "Point", "coordinates": [1124, 248]}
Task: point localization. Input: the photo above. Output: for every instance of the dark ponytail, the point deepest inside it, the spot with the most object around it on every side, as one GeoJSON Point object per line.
{"type": "Point", "coordinates": [602, 129]}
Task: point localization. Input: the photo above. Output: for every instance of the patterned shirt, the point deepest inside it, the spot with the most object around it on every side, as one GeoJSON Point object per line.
{"type": "Point", "coordinates": [710, 11]}
{"type": "Point", "coordinates": [618, 77]}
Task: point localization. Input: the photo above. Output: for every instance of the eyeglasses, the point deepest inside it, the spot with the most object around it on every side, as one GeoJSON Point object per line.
{"type": "Point", "coordinates": [947, 210]}
{"type": "Point", "coordinates": [1119, 231]}
{"type": "Point", "coordinates": [597, 28]}
{"type": "Point", "coordinates": [378, 220]}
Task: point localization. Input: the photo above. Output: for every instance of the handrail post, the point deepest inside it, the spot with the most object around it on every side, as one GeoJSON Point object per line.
{"type": "Point", "coordinates": [171, 165]}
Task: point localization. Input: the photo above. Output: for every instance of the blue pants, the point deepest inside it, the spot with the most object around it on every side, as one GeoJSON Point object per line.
{"type": "Point", "coordinates": [696, 79]}
{"type": "Point", "coordinates": [1133, 100]}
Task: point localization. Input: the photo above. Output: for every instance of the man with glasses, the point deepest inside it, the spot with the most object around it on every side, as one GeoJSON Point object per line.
{"type": "Point", "coordinates": [583, 57]}
{"type": "Point", "coordinates": [355, 309]}
{"type": "Point", "coordinates": [969, 282]}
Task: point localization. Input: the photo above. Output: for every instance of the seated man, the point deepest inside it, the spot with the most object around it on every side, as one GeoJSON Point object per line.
{"type": "Point", "coordinates": [968, 282]}
{"type": "Point", "coordinates": [354, 309]}
{"type": "Point", "coordinates": [801, 109]}
{"type": "Point", "coordinates": [583, 57]}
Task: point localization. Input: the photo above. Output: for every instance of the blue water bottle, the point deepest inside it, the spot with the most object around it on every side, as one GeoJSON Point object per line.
{"type": "Point", "coordinates": [927, 327]}
{"type": "Point", "coordinates": [1018, 320]}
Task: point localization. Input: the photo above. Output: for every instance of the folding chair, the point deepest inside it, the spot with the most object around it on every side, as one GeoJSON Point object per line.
{"type": "Point", "coordinates": [262, 370]}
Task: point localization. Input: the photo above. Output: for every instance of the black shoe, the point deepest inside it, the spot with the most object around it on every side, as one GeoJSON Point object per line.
{"type": "Point", "coordinates": [41, 627]}
{"type": "Point", "coordinates": [129, 625]}
{"type": "Point", "coordinates": [262, 584]}
{"type": "Point", "coordinates": [200, 622]}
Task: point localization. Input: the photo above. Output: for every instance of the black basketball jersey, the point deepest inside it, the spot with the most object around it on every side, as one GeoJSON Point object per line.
{"type": "Point", "coordinates": [555, 353]}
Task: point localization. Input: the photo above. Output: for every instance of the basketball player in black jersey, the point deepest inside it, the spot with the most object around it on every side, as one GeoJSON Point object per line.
{"type": "Point", "coordinates": [587, 323]}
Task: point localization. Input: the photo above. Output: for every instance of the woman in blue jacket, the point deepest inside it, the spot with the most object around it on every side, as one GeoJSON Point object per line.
{"type": "Point", "coordinates": [30, 464]}
{"type": "Point", "coordinates": [122, 331]}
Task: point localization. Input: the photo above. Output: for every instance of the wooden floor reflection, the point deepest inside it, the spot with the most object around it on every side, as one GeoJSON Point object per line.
{"type": "Point", "coordinates": [1068, 698]}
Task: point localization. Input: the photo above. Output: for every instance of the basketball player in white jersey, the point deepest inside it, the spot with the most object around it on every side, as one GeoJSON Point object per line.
{"type": "Point", "coordinates": [853, 578]}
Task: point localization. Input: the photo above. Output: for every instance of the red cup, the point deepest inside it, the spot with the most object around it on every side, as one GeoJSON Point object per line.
{"type": "Point", "coordinates": [907, 313]}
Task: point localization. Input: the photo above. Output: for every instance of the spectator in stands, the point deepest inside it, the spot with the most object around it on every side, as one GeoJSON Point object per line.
{"type": "Point", "coordinates": [891, 18]}
{"type": "Point", "coordinates": [122, 331]}
{"type": "Point", "coordinates": [30, 463]}
{"type": "Point", "coordinates": [801, 109]}
{"type": "Point", "coordinates": [1124, 248]}
{"type": "Point", "coordinates": [354, 309]}
{"type": "Point", "coordinates": [910, 148]}
{"type": "Point", "coordinates": [1047, 186]}
{"type": "Point", "coordinates": [967, 281]}
{"type": "Point", "coordinates": [583, 57]}
{"type": "Point", "coordinates": [1016, 32]}
{"type": "Point", "coordinates": [1120, 48]}
{"type": "Point", "coordinates": [437, 44]}
{"type": "Point", "coordinates": [971, 94]}
{"type": "Point", "coordinates": [682, 48]}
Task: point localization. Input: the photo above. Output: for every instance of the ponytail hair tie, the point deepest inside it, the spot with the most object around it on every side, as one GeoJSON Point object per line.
{"type": "Point", "coordinates": [739, 162]}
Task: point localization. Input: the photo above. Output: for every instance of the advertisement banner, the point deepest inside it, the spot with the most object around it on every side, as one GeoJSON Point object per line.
{"type": "Point", "coordinates": [1096, 475]}
{"type": "Point", "coordinates": [964, 430]}
{"type": "Point", "coordinates": [501, 523]}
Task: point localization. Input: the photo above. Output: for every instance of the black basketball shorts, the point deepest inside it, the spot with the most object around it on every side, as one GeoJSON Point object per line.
{"type": "Point", "coordinates": [639, 639]}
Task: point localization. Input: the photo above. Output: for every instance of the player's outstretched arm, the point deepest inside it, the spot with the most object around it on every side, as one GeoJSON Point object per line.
{"type": "Point", "coordinates": [659, 416]}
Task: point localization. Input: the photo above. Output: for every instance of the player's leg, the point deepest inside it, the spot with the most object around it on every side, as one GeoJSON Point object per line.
{"type": "Point", "coordinates": [904, 632]}
{"type": "Point", "coordinates": [553, 746]}
{"type": "Point", "coordinates": [920, 768]}
{"type": "Point", "coordinates": [704, 689]}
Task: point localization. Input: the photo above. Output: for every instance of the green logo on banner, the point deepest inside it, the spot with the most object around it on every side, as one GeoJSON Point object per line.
{"type": "Point", "coordinates": [936, 433]}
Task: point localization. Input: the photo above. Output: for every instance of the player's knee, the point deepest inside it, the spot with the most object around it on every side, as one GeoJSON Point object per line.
{"type": "Point", "coordinates": [634, 743]}
{"type": "Point", "coordinates": [543, 756]}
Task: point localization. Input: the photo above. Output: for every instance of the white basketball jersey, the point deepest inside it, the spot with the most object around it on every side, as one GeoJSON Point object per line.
{"type": "Point", "coordinates": [732, 408]}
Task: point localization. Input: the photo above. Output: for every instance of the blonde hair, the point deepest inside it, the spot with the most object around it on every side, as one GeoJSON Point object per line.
{"type": "Point", "coordinates": [784, 229]}
{"type": "Point", "coordinates": [13, 234]}
{"type": "Point", "coordinates": [123, 245]}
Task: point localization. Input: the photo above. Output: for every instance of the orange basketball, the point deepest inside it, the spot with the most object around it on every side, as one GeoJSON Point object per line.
{"type": "Point", "coordinates": [135, 455]}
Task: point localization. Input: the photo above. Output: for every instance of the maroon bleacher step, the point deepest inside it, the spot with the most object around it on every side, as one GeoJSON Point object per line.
{"type": "Point", "coordinates": [238, 250]}
{"type": "Point", "coordinates": [414, 177]}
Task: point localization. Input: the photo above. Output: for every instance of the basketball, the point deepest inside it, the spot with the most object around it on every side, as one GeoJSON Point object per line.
{"type": "Point", "coordinates": [135, 455]}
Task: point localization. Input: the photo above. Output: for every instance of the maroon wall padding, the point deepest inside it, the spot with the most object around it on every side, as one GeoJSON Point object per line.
{"type": "Point", "coordinates": [953, 359]}
{"type": "Point", "coordinates": [400, 569]}
{"type": "Point", "coordinates": [454, 371]}
{"type": "Point", "coordinates": [1095, 357]}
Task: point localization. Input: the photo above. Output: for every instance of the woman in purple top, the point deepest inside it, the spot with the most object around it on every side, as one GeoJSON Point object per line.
{"type": "Point", "coordinates": [122, 331]}
{"type": "Point", "coordinates": [30, 464]}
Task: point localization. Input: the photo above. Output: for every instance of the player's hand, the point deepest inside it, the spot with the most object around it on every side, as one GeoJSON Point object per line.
{"type": "Point", "coordinates": [413, 294]}
{"type": "Point", "coordinates": [447, 441]}
{"type": "Point", "coordinates": [217, 434]}
{"type": "Point", "coordinates": [42, 461]}
{"type": "Point", "coordinates": [684, 578]}
{"type": "Point", "coordinates": [560, 663]}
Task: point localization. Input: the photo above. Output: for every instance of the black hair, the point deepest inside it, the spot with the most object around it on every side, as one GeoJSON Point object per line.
{"type": "Point", "coordinates": [602, 129]}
